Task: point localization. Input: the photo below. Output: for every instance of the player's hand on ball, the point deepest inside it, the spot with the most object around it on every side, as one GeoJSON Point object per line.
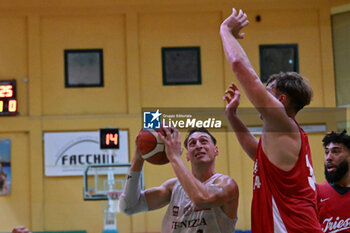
{"type": "Point", "coordinates": [172, 142]}
{"type": "Point", "coordinates": [150, 147]}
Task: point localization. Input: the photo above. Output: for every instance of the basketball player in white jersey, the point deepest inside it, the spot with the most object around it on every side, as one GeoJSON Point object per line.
{"type": "Point", "coordinates": [199, 201]}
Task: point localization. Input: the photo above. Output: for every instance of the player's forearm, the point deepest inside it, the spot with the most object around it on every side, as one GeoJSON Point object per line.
{"type": "Point", "coordinates": [233, 51]}
{"type": "Point", "coordinates": [248, 142]}
{"type": "Point", "coordinates": [133, 199]}
{"type": "Point", "coordinates": [196, 190]}
{"type": "Point", "coordinates": [235, 54]}
{"type": "Point", "coordinates": [240, 64]}
{"type": "Point", "coordinates": [136, 164]}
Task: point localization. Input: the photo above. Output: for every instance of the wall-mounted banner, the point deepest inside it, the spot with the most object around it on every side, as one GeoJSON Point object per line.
{"type": "Point", "coordinates": [68, 153]}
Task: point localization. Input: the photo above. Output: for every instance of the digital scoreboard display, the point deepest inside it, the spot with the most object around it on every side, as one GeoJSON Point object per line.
{"type": "Point", "coordinates": [109, 138]}
{"type": "Point", "coordinates": [8, 100]}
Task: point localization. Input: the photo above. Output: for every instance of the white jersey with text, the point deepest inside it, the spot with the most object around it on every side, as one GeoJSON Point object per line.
{"type": "Point", "coordinates": [183, 216]}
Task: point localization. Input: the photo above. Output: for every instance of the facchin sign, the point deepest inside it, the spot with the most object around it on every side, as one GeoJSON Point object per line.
{"type": "Point", "coordinates": [68, 153]}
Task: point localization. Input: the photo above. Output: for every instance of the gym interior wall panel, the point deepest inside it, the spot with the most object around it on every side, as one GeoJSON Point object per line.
{"type": "Point", "coordinates": [13, 56]}
{"type": "Point", "coordinates": [19, 196]}
{"type": "Point", "coordinates": [222, 160]}
{"type": "Point", "coordinates": [246, 189]}
{"type": "Point", "coordinates": [341, 37]}
{"type": "Point", "coordinates": [105, 32]}
{"type": "Point", "coordinates": [317, 153]}
{"type": "Point", "coordinates": [180, 29]}
{"type": "Point", "coordinates": [240, 169]}
{"type": "Point", "coordinates": [339, 5]}
{"type": "Point", "coordinates": [65, 208]}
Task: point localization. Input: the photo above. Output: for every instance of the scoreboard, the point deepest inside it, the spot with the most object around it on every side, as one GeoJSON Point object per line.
{"type": "Point", "coordinates": [8, 100]}
{"type": "Point", "coordinates": [109, 138]}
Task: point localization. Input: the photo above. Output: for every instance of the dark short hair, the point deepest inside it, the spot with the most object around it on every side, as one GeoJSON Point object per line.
{"type": "Point", "coordinates": [334, 137]}
{"type": "Point", "coordinates": [294, 86]}
{"type": "Point", "coordinates": [202, 130]}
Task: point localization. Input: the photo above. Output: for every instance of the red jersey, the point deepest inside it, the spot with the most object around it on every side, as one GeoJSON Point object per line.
{"type": "Point", "coordinates": [284, 201]}
{"type": "Point", "coordinates": [333, 209]}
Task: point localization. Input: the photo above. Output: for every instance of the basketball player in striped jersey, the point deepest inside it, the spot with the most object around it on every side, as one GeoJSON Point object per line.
{"type": "Point", "coordinates": [284, 197]}
{"type": "Point", "coordinates": [199, 201]}
{"type": "Point", "coordinates": [333, 195]}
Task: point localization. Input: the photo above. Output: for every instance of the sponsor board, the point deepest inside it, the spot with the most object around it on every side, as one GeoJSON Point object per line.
{"type": "Point", "coordinates": [68, 153]}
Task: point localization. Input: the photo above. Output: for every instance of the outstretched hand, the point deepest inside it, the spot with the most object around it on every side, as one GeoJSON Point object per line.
{"type": "Point", "coordinates": [172, 142]}
{"type": "Point", "coordinates": [232, 97]}
{"type": "Point", "coordinates": [235, 22]}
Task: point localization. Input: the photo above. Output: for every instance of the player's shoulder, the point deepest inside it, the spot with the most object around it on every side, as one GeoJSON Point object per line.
{"type": "Point", "coordinates": [220, 176]}
{"type": "Point", "coordinates": [323, 185]}
{"type": "Point", "coordinates": [169, 184]}
{"type": "Point", "coordinates": [323, 189]}
{"type": "Point", "coordinates": [171, 181]}
{"type": "Point", "coordinates": [225, 180]}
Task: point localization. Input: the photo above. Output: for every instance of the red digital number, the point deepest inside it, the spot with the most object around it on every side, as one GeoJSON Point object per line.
{"type": "Point", "coordinates": [12, 106]}
{"type": "Point", "coordinates": [6, 91]}
{"type": "Point", "coordinates": [112, 138]}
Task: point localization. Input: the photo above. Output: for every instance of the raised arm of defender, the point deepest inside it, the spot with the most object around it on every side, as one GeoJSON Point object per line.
{"type": "Point", "coordinates": [271, 109]}
{"type": "Point", "coordinates": [279, 128]}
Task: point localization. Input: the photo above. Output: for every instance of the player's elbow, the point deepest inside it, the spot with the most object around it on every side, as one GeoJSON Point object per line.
{"type": "Point", "coordinates": [127, 212]}
{"type": "Point", "coordinates": [236, 63]}
{"type": "Point", "coordinates": [127, 208]}
{"type": "Point", "coordinates": [123, 206]}
{"type": "Point", "coordinates": [203, 201]}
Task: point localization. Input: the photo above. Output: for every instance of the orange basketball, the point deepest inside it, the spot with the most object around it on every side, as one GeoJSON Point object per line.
{"type": "Point", "coordinates": [151, 147]}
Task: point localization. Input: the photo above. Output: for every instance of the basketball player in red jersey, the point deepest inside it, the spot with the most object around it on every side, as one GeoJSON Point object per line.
{"type": "Point", "coordinates": [284, 197]}
{"type": "Point", "coordinates": [199, 201]}
{"type": "Point", "coordinates": [333, 195]}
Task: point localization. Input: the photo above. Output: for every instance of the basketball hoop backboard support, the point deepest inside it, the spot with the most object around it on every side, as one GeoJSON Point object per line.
{"type": "Point", "coordinates": [100, 179]}
{"type": "Point", "coordinates": [106, 182]}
